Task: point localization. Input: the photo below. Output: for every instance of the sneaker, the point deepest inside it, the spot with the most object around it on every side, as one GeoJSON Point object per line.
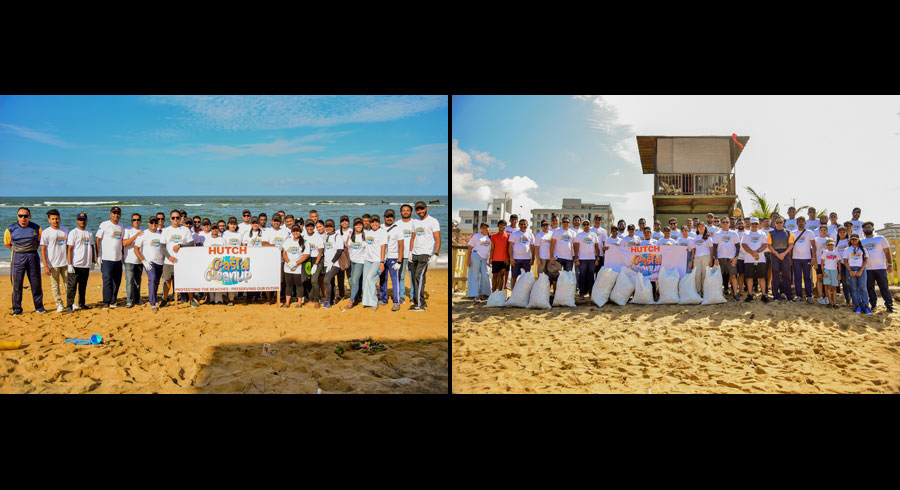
{"type": "Point", "coordinates": [793, 300]}
{"type": "Point", "coordinates": [868, 311]}
{"type": "Point", "coordinates": [820, 301]}
{"type": "Point", "coordinates": [375, 308]}
{"type": "Point", "coordinates": [809, 300]}
{"type": "Point", "coordinates": [326, 305]}
{"type": "Point", "coordinates": [858, 309]}
{"type": "Point", "coordinates": [382, 303]}
{"type": "Point", "coordinates": [105, 307]}
{"type": "Point", "coordinates": [737, 299]}
{"type": "Point", "coordinates": [415, 308]}
{"type": "Point", "coordinates": [749, 299]}
{"type": "Point", "coordinates": [67, 311]}
{"type": "Point", "coordinates": [396, 307]}
{"type": "Point", "coordinates": [163, 303]}
{"type": "Point", "coordinates": [113, 305]}
{"type": "Point", "coordinates": [59, 308]}
{"type": "Point", "coordinates": [154, 308]}
{"type": "Point", "coordinates": [76, 307]}
{"type": "Point", "coordinates": [194, 303]}
{"type": "Point", "coordinates": [765, 299]}
{"type": "Point", "coordinates": [129, 305]}
{"type": "Point", "coordinates": [16, 313]}
{"type": "Point", "coordinates": [826, 301]}
{"type": "Point", "coordinates": [890, 309]}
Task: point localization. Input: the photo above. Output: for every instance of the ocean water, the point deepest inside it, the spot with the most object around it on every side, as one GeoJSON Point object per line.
{"type": "Point", "coordinates": [215, 208]}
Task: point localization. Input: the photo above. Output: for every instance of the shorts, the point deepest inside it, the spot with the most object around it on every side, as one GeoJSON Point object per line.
{"type": "Point", "coordinates": [818, 269]}
{"type": "Point", "coordinates": [727, 268]}
{"type": "Point", "coordinates": [755, 270]}
{"type": "Point", "coordinates": [499, 266]}
{"type": "Point", "coordinates": [168, 272]}
{"type": "Point", "coordinates": [831, 277]}
{"type": "Point", "coordinates": [740, 266]}
{"type": "Point", "coordinates": [520, 265]}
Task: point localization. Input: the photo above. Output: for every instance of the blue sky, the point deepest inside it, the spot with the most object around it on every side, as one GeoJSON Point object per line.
{"type": "Point", "coordinates": [803, 149]}
{"type": "Point", "coordinates": [214, 145]}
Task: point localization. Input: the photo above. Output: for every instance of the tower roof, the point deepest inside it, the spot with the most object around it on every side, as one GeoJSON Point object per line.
{"type": "Point", "coordinates": [647, 149]}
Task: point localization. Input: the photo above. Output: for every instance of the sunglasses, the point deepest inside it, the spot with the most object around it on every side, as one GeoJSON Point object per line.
{"type": "Point", "coordinates": [136, 219]}
{"type": "Point", "coordinates": [24, 215]}
{"type": "Point", "coordinates": [175, 217]}
{"type": "Point", "coordinates": [246, 214]}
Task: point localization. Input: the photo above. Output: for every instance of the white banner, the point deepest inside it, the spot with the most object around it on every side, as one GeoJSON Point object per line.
{"type": "Point", "coordinates": [227, 269]}
{"type": "Point", "coordinates": [647, 260]}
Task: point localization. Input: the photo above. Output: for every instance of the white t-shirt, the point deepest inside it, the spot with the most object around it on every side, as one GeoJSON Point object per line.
{"type": "Point", "coordinates": [481, 245]}
{"type": "Point", "coordinates": [424, 230]}
{"type": "Point", "coordinates": [314, 242]}
{"type": "Point", "coordinates": [726, 241]}
{"type": "Point", "coordinates": [374, 241]}
{"type": "Point", "coordinates": [820, 248]}
{"type": "Point", "coordinates": [803, 243]}
{"type": "Point", "coordinates": [841, 246]}
{"type": "Point", "coordinates": [645, 242]}
{"type": "Point", "coordinates": [82, 242]}
{"type": "Point", "coordinates": [833, 231]}
{"type": "Point", "coordinates": [130, 257]}
{"type": "Point", "coordinates": [233, 238]}
{"type": "Point", "coordinates": [614, 242]}
{"type": "Point", "coordinates": [542, 240]}
{"type": "Point", "coordinates": [151, 247]}
{"type": "Point", "coordinates": [218, 241]}
{"type": "Point", "coordinates": [790, 224]}
{"type": "Point", "coordinates": [294, 252]}
{"type": "Point", "coordinates": [857, 228]}
{"type": "Point", "coordinates": [254, 241]}
{"type": "Point", "coordinates": [657, 235]}
{"type": "Point", "coordinates": [276, 237]}
{"type": "Point", "coordinates": [110, 236]}
{"type": "Point", "coordinates": [702, 247]}
{"type": "Point", "coordinates": [334, 244]}
{"type": "Point", "coordinates": [565, 241]}
{"type": "Point", "coordinates": [393, 241]}
{"type": "Point", "coordinates": [200, 238]}
{"type": "Point", "coordinates": [357, 248]}
{"type": "Point", "coordinates": [587, 242]}
{"type": "Point", "coordinates": [831, 259]}
{"type": "Point", "coordinates": [176, 236]}
{"type": "Point", "coordinates": [406, 227]}
{"type": "Point", "coordinates": [57, 250]}
{"type": "Point", "coordinates": [854, 257]}
{"type": "Point", "coordinates": [665, 241]}
{"type": "Point", "coordinates": [813, 226]}
{"type": "Point", "coordinates": [522, 243]}
{"type": "Point", "coordinates": [601, 238]}
{"type": "Point", "coordinates": [712, 229]}
{"type": "Point", "coordinates": [686, 242]}
{"type": "Point", "coordinates": [756, 241]}
{"type": "Point", "coordinates": [628, 241]}
{"type": "Point", "coordinates": [243, 228]}
{"type": "Point", "coordinates": [875, 249]}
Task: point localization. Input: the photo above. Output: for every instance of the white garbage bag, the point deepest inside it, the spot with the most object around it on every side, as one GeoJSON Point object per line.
{"type": "Point", "coordinates": [687, 290]}
{"type": "Point", "coordinates": [565, 289]}
{"type": "Point", "coordinates": [643, 290]}
{"type": "Point", "coordinates": [668, 287]}
{"type": "Point", "coordinates": [606, 279]}
{"type": "Point", "coordinates": [712, 287]}
{"type": "Point", "coordinates": [540, 293]}
{"type": "Point", "coordinates": [621, 292]}
{"type": "Point", "coordinates": [522, 291]}
{"type": "Point", "coordinates": [497, 298]}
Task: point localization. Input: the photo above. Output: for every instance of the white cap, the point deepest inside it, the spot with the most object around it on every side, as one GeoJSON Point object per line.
{"type": "Point", "coordinates": [754, 220]}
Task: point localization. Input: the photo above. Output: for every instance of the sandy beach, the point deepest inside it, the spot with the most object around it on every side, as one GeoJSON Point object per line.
{"type": "Point", "coordinates": [729, 348]}
{"type": "Point", "coordinates": [218, 349]}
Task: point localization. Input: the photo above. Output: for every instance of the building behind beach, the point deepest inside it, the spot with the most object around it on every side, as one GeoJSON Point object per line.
{"type": "Point", "coordinates": [692, 175]}
{"type": "Point", "coordinates": [891, 231]}
{"type": "Point", "coordinates": [498, 209]}
{"type": "Point", "coordinates": [571, 208]}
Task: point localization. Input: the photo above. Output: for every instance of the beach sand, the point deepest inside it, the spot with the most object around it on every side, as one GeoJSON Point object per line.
{"type": "Point", "coordinates": [218, 349]}
{"type": "Point", "coordinates": [728, 348]}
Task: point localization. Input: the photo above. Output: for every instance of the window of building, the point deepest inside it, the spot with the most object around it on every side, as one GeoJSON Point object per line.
{"type": "Point", "coordinates": [468, 222]}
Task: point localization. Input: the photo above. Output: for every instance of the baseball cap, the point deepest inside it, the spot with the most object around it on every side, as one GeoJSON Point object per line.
{"type": "Point", "coordinates": [81, 216]}
{"type": "Point", "coordinates": [420, 205]}
{"type": "Point", "coordinates": [829, 241]}
{"type": "Point", "coordinates": [754, 220]}
{"type": "Point", "coordinates": [115, 208]}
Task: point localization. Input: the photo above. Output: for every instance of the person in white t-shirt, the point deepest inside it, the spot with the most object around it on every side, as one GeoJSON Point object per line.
{"type": "Point", "coordinates": [254, 238]}
{"type": "Point", "coordinates": [316, 250]}
{"type": "Point", "coordinates": [274, 237]}
{"type": "Point", "coordinates": [702, 257]}
{"type": "Point", "coordinates": [392, 258]}
{"type": "Point", "coordinates": [376, 248]}
{"type": "Point", "coordinates": [562, 249]}
{"type": "Point", "coordinates": [82, 253]}
{"type": "Point", "coordinates": [657, 231]}
{"type": "Point", "coordinates": [855, 262]}
{"type": "Point", "coordinates": [109, 242]}
{"type": "Point", "coordinates": [830, 260]}
{"type": "Point", "coordinates": [812, 222]}
{"type": "Point", "coordinates": [686, 240]}
{"type": "Point", "coordinates": [149, 250]}
{"type": "Point", "coordinates": [878, 266]}
{"type": "Point", "coordinates": [856, 223]}
{"type": "Point", "coordinates": [542, 247]}
{"type": "Point", "coordinates": [334, 248]}
{"type": "Point", "coordinates": [215, 239]}
{"type": "Point", "coordinates": [754, 245]}
{"type": "Point", "coordinates": [233, 237]}
{"type": "Point", "coordinates": [666, 238]}
{"type": "Point", "coordinates": [426, 242]}
{"type": "Point", "coordinates": [356, 247]}
{"type": "Point", "coordinates": [478, 283]}
{"type": "Point", "coordinates": [842, 241]}
{"type": "Point", "coordinates": [295, 252]}
{"type": "Point", "coordinates": [711, 224]}
{"type": "Point", "coordinates": [521, 250]}
{"type": "Point", "coordinates": [133, 266]}
{"type": "Point", "coordinates": [406, 226]}
{"type": "Point", "coordinates": [833, 226]}
{"type": "Point", "coordinates": [602, 236]}
{"type": "Point", "coordinates": [587, 253]}
{"type": "Point", "coordinates": [174, 237]}
{"type": "Point", "coordinates": [822, 232]}
{"type": "Point", "coordinates": [54, 255]}
{"type": "Point", "coordinates": [647, 238]}
{"type": "Point", "coordinates": [245, 227]}
{"type": "Point", "coordinates": [790, 224]}
{"type": "Point", "coordinates": [804, 252]}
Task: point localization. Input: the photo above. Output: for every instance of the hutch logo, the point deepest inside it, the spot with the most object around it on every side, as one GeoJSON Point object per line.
{"type": "Point", "coordinates": [227, 250]}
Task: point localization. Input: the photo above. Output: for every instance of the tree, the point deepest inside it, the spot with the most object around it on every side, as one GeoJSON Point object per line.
{"type": "Point", "coordinates": [761, 207]}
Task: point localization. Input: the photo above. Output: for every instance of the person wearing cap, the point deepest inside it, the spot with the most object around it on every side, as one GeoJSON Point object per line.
{"type": "Point", "coordinates": [562, 248]}
{"type": "Point", "coordinates": [109, 242]}
{"type": "Point", "coordinates": [134, 267]}
{"type": "Point", "coordinates": [479, 282]}
{"type": "Point", "coordinates": [781, 243]}
{"type": "Point", "coordinates": [521, 250]}
{"type": "Point", "coordinates": [23, 238]}
{"type": "Point", "coordinates": [426, 242]}
{"type": "Point", "coordinates": [316, 252]}
{"type": "Point", "coordinates": [702, 256]}
{"type": "Point", "coordinates": [725, 254]}
{"type": "Point", "coordinates": [81, 254]}
{"type": "Point", "coordinates": [754, 246]}
{"type": "Point", "coordinates": [53, 253]}
{"type": "Point", "coordinates": [803, 254]}
{"type": "Point", "coordinates": [334, 247]}
{"type": "Point", "coordinates": [542, 247]}
{"type": "Point", "coordinates": [254, 238]}
{"type": "Point", "coordinates": [587, 253]}
{"type": "Point", "coordinates": [376, 249]}
{"type": "Point", "coordinates": [712, 223]}
{"type": "Point", "coordinates": [392, 258]}
{"type": "Point", "coordinates": [830, 262]}
{"type": "Point", "coordinates": [275, 237]}
{"type": "Point", "coordinates": [405, 224]}
{"type": "Point", "coordinates": [294, 252]}
{"type": "Point", "coordinates": [244, 227]}
{"type": "Point", "coordinates": [499, 257]}
{"type": "Point", "coordinates": [822, 232]}
{"type": "Point", "coordinates": [356, 247]}
{"type": "Point", "coordinates": [878, 266]}
{"type": "Point", "coordinates": [855, 259]}
{"type": "Point", "coordinates": [630, 239]}
{"type": "Point", "coordinates": [602, 236]}
{"type": "Point", "coordinates": [151, 253]}
{"type": "Point", "coordinates": [174, 237]}
{"type": "Point", "coordinates": [343, 276]}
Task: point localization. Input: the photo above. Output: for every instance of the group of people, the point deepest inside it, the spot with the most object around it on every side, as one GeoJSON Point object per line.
{"type": "Point", "coordinates": [319, 257]}
{"type": "Point", "coordinates": [754, 255]}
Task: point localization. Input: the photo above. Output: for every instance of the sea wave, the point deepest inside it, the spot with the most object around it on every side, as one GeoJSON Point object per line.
{"type": "Point", "coordinates": [193, 205]}
{"type": "Point", "coordinates": [77, 203]}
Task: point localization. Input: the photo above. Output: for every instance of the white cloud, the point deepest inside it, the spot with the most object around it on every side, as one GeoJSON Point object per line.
{"type": "Point", "coordinates": [487, 159]}
{"type": "Point", "coordinates": [33, 135]}
{"type": "Point", "coordinates": [467, 187]}
{"type": "Point", "coordinates": [239, 112]}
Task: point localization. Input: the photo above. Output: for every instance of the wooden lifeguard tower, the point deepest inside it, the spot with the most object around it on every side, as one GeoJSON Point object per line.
{"type": "Point", "coordinates": [692, 175]}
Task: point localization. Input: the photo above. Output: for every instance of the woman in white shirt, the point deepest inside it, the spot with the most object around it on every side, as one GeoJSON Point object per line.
{"type": "Point", "coordinates": [334, 247]}
{"type": "Point", "coordinates": [479, 282]}
{"type": "Point", "coordinates": [254, 238]}
{"type": "Point", "coordinates": [356, 244]}
{"type": "Point", "coordinates": [687, 241]}
{"type": "Point", "coordinates": [295, 251]}
{"type": "Point", "coordinates": [702, 255]}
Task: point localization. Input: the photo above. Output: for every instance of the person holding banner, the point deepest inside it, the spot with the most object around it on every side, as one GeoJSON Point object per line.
{"type": "Point", "coordinates": [703, 245]}
{"type": "Point", "coordinates": [174, 237]}
{"type": "Point", "coordinates": [294, 252]}
{"type": "Point", "coordinates": [215, 240]}
{"type": "Point", "coordinates": [614, 239]}
{"type": "Point", "coordinates": [254, 238]}
{"type": "Point", "coordinates": [667, 238]}
{"type": "Point", "coordinates": [587, 258]}
{"type": "Point", "coordinates": [754, 245]}
{"type": "Point", "coordinates": [274, 237]}
{"type": "Point", "coordinates": [630, 240]}
{"type": "Point", "coordinates": [648, 238]}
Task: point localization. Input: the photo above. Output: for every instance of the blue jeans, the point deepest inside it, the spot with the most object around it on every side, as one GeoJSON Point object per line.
{"type": "Point", "coordinates": [389, 272]}
{"type": "Point", "coordinates": [356, 273]}
{"type": "Point", "coordinates": [404, 267]}
{"type": "Point", "coordinates": [879, 276]}
{"type": "Point", "coordinates": [479, 281]}
{"type": "Point", "coordinates": [111, 270]}
{"type": "Point", "coordinates": [858, 288]}
{"type": "Point", "coordinates": [585, 276]}
{"type": "Point", "coordinates": [370, 276]}
{"type": "Point", "coordinates": [153, 275]}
